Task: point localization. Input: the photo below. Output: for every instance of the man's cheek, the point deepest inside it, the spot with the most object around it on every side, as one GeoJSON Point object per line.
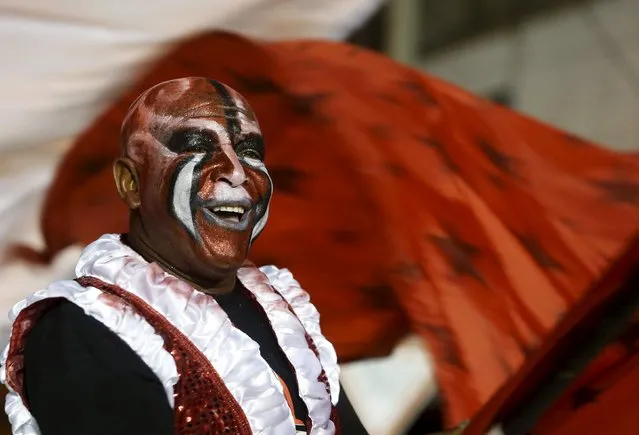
{"type": "Point", "coordinates": [261, 183]}
{"type": "Point", "coordinates": [182, 189]}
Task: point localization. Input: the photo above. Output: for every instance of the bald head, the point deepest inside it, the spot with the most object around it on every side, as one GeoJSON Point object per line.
{"type": "Point", "coordinates": [155, 114]}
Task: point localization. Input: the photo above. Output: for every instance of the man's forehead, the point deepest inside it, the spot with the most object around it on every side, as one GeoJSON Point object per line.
{"type": "Point", "coordinates": [193, 98]}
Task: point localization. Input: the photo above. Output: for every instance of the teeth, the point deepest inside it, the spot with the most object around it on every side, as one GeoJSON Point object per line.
{"type": "Point", "coordinates": [229, 209]}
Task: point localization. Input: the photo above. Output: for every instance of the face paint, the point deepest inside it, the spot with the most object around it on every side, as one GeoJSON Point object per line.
{"type": "Point", "coordinates": [261, 223]}
{"type": "Point", "coordinates": [200, 152]}
{"type": "Point", "coordinates": [182, 192]}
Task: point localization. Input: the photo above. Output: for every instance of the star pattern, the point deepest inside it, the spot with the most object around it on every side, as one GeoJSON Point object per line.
{"type": "Point", "coordinates": [446, 339]}
{"type": "Point", "coordinates": [460, 256]}
{"type": "Point", "coordinates": [619, 190]}
{"type": "Point", "coordinates": [306, 105]}
{"type": "Point", "coordinates": [256, 84]}
{"type": "Point", "coordinates": [538, 253]}
{"type": "Point", "coordinates": [380, 295]}
{"type": "Point", "coordinates": [418, 90]}
{"type": "Point", "coordinates": [287, 180]}
{"type": "Point", "coordinates": [440, 149]}
{"type": "Point", "coordinates": [498, 159]}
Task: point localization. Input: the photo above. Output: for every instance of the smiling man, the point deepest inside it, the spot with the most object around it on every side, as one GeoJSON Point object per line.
{"type": "Point", "coordinates": [168, 329]}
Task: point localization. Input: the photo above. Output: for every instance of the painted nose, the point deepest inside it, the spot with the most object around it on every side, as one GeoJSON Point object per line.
{"type": "Point", "coordinates": [231, 171]}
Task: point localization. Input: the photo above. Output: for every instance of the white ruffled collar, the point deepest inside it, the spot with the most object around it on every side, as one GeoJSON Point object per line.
{"type": "Point", "coordinates": [233, 354]}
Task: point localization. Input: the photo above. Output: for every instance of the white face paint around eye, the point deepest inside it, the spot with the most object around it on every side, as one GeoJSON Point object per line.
{"type": "Point", "coordinates": [261, 223]}
{"type": "Point", "coordinates": [182, 192]}
{"type": "Point", "coordinates": [254, 163]}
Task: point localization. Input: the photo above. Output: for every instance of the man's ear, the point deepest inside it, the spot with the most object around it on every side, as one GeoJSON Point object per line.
{"type": "Point", "coordinates": [127, 182]}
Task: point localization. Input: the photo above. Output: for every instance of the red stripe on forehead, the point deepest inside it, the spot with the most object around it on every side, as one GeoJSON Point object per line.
{"type": "Point", "coordinates": [245, 115]}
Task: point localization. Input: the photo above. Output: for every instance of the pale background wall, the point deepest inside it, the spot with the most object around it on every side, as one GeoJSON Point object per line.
{"type": "Point", "coordinates": [566, 75]}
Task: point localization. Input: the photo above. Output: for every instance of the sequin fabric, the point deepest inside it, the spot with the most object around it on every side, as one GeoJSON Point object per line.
{"type": "Point", "coordinates": [203, 404]}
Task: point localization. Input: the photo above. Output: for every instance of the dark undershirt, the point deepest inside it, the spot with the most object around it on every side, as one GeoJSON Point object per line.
{"type": "Point", "coordinates": [81, 378]}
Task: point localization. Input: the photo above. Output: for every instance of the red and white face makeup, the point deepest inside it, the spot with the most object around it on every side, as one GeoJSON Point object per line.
{"type": "Point", "coordinates": [204, 188]}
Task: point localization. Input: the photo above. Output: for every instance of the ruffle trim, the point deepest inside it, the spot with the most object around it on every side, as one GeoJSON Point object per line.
{"type": "Point", "coordinates": [233, 354]}
{"type": "Point", "coordinates": [284, 282]}
{"type": "Point", "coordinates": [290, 331]}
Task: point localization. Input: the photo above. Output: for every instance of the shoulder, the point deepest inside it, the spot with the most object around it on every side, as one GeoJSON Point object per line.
{"type": "Point", "coordinates": [66, 340]}
{"type": "Point", "coordinates": [63, 317]}
{"type": "Point", "coordinates": [69, 290]}
{"type": "Point", "coordinates": [66, 328]}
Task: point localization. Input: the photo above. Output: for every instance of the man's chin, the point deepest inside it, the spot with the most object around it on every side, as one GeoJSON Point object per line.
{"type": "Point", "coordinates": [226, 253]}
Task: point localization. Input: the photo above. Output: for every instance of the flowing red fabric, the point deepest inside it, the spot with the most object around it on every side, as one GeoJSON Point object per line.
{"type": "Point", "coordinates": [601, 397]}
{"type": "Point", "coordinates": [402, 203]}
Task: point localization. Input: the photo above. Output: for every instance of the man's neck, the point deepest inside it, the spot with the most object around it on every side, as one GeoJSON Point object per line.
{"type": "Point", "coordinates": [138, 243]}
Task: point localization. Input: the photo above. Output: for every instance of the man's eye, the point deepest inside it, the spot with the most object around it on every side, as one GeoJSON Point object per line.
{"type": "Point", "coordinates": [250, 154]}
{"type": "Point", "coordinates": [251, 148]}
{"type": "Point", "coordinates": [190, 141]}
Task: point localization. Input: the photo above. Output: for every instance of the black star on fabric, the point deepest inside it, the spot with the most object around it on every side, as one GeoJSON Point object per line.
{"type": "Point", "coordinates": [418, 89]}
{"type": "Point", "coordinates": [306, 105]}
{"type": "Point", "coordinates": [538, 253]}
{"type": "Point", "coordinates": [460, 255]}
{"type": "Point", "coordinates": [447, 340]}
{"type": "Point", "coordinates": [287, 180]}
{"type": "Point", "coordinates": [440, 149]}
{"type": "Point", "coordinates": [255, 84]}
{"type": "Point", "coordinates": [619, 190]}
{"type": "Point", "coordinates": [500, 160]}
{"type": "Point", "coordinates": [380, 295]}
{"type": "Point", "coordinates": [584, 396]}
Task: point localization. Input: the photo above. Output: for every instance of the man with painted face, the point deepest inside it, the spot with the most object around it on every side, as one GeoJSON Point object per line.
{"type": "Point", "coordinates": [168, 329]}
